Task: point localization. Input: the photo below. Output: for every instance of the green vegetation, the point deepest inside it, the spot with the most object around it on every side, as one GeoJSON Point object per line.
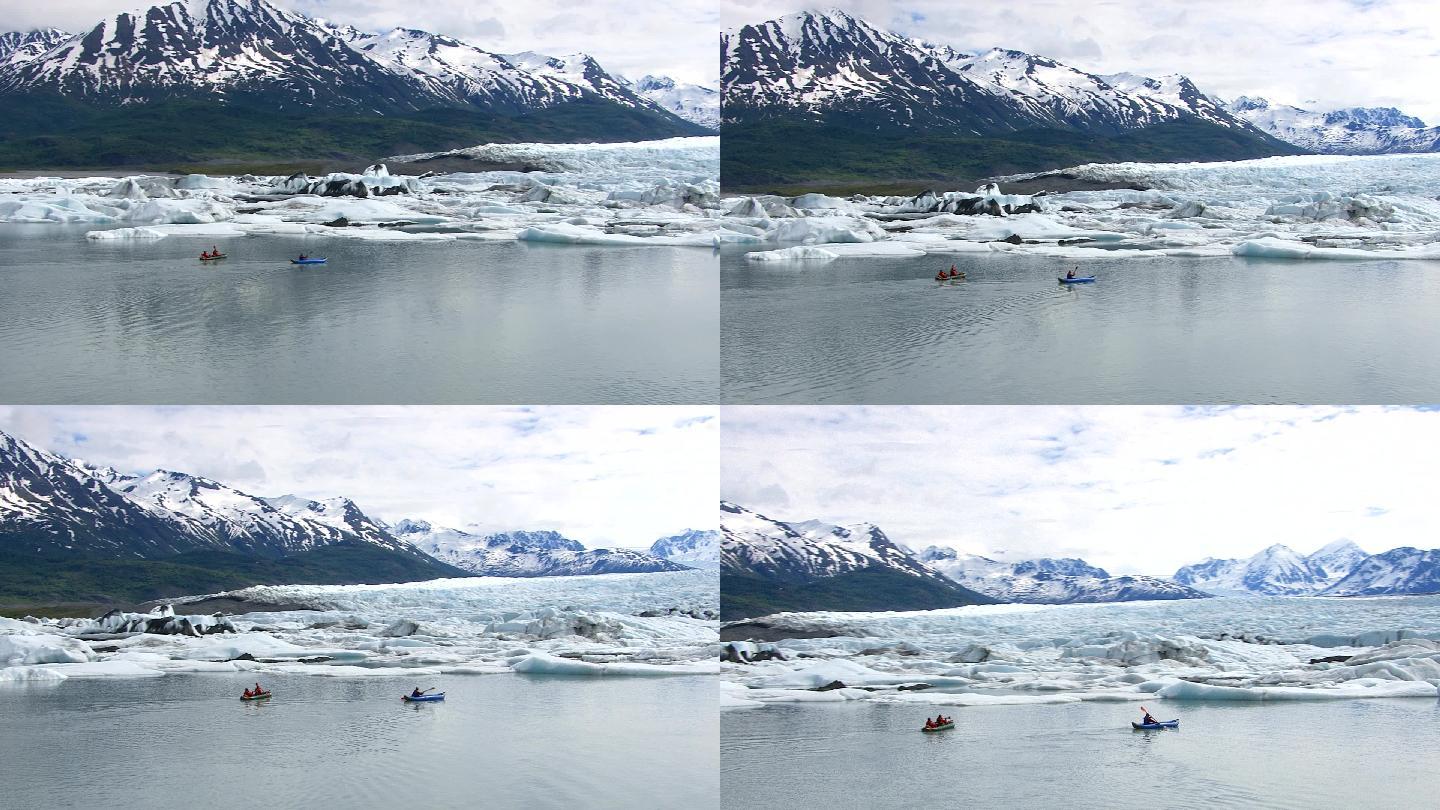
{"type": "Point", "coordinates": [30, 580]}
{"type": "Point", "coordinates": [790, 156]}
{"type": "Point", "coordinates": [39, 131]}
{"type": "Point", "coordinates": [744, 596]}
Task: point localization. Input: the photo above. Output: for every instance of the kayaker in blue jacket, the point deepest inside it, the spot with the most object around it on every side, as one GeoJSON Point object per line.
{"type": "Point", "coordinates": [418, 693]}
{"type": "Point", "coordinates": [1148, 720]}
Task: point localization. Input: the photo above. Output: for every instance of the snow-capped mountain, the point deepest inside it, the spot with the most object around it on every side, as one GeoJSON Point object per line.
{"type": "Point", "coordinates": [769, 565]}
{"type": "Point", "coordinates": [697, 548]}
{"type": "Point", "coordinates": [225, 50]}
{"type": "Point", "coordinates": [1335, 561]}
{"type": "Point", "coordinates": [693, 102]}
{"type": "Point", "coordinates": [819, 63]}
{"type": "Point", "coordinates": [525, 553]}
{"type": "Point", "coordinates": [1049, 580]}
{"type": "Point", "coordinates": [56, 506]}
{"type": "Point", "coordinates": [22, 46]}
{"type": "Point", "coordinates": [1275, 571]}
{"type": "Point", "coordinates": [52, 505]}
{"type": "Point", "coordinates": [1398, 571]}
{"type": "Point", "coordinates": [1352, 131]}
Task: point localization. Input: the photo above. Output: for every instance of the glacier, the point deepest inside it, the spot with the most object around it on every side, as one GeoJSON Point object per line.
{"type": "Point", "coordinates": [1254, 649]}
{"type": "Point", "coordinates": [1307, 207]}
{"type": "Point", "coordinates": [662, 192]}
{"type": "Point", "coordinates": [661, 624]}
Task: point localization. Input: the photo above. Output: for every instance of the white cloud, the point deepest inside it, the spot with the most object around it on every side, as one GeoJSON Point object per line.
{"type": "Point", "coordinates": [1132, 489]}
{"type": "Point", "coordinates": [606, 476]}
{"type": "Point", "coordinates": [679, 38]}
{"type": "Point", "coordinates": [1325, 53]}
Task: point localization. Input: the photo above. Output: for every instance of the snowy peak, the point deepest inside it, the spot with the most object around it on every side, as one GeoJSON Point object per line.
{"type": "Point", "coordinates": [228, 50]}
{"type": "Point", "coordinates": [697, 548]}
{"type": "Point", "coordinates": [1350, 131]}
{"type": "Point", "coordinates": [1336, 560]}
{"type": "Point", "coordinates": [52, 504]}
{"type": "Point", "coordinates": [1063, 580]}
{"type": "Point", "coordinates": [525, 553]}
{"type": "Point", "coordinates": [17, 46]}
{"type": "Point", "coordinates": [1394, 572]}
{"type": "Point", "coordinates": [821, 63]}
{"type": "Point", "coordinates": [756, 544]}
{"type": "Point", "coordinates": [1276, 571]}
{"type": "Point", "coordinates": [695, 103]}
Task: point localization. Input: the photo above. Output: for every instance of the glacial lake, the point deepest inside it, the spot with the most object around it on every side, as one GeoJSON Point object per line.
{"type": "Point", "coordinates": [882, 331]}
{"type": "Point", "coordinates": [183, 741]}
{"type": "Point", "coordinates": [127, 321]}
{"type": "Point", "coordinates": [1301, 755]}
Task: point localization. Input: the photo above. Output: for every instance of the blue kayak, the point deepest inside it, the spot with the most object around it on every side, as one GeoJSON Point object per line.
{"type": "Point", "coordinates": [1154, 726]}
{"type": "Point", "coordinates": [1077, 280]}
{"type": "Point", "coordinates": [423, 698]}
{"type": "Point", "coordinates": [307, 261]}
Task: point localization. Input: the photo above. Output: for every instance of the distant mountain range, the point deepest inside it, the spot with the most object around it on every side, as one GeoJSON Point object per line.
{"type": "Point", "coordinates": [526, 553]}
{"type": "Point", "coordinates": [292, 86]}
{"type": "Point", "coordinates": [73, 533]}
{"type": "Point", "coordinates": [768, 566]}
{"type": "Point", "coordinates": [1350, 131]}
{"type": "Point", "coordinates": [1049, 581]}
{"type": "Point", "coordinates": [695, 103]}
{"type": "Point", "coordinates": [1339, 569]}
{"type": "Point", "coordinates": [70, 532]}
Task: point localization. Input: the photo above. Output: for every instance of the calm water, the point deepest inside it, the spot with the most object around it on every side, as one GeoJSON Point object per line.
{"type": "Point", "coordinates": [1167, 330]}
{"type": "Point", "coordinates": [442, 322]}
{"type": "Point", "coordinates": [1359, 753]}
{"type": "Point", "coordinates": [496, 741]}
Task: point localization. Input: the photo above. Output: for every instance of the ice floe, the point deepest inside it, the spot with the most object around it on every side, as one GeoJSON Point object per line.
{"type": "Point", "coordinates": [648, 193]}
{"type": "Point", "coordinates": [1351, 208]}
{"type": "Point", "coordinates": [1258, 649]}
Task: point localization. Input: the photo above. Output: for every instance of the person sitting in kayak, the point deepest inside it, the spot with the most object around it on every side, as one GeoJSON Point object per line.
{"type": "Point", "coordinates": [258, 690]}
{"type": "Point", "coordinates": [940, 276]}
{"type": "Point", "coordinates": [417, 693]}
{"type": "Point", "coordinates": [303, 257]}
{"type": "Point", "coordinates": [1147, 720]}
{"type": "Point", "coordinates": [1069, 274]}
{"type": "Point", "coordinates": [953, 272]}
{"type": "Point", "coordinates": [248, 693]}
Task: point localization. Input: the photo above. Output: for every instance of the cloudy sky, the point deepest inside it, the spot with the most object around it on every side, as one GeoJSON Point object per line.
{"type": "Point", "coordinates": [606, 476]}
{"type": "Point", "coordinates": [1132, 489]}
{"type": "Point", "coordinates": [679, 38]}
{"type": "Point", "coordinates": [1329, 53]}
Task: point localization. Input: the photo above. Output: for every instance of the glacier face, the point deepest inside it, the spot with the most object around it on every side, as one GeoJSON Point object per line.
{"type": "Point", "coordinates": [1302, 207]}
{"type": "Point", "coordinates": [630, 194]}
{"type": "Point", "coordinates": [1269, 648]}
{"type": "Point", "coordinates": [623, 625]}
